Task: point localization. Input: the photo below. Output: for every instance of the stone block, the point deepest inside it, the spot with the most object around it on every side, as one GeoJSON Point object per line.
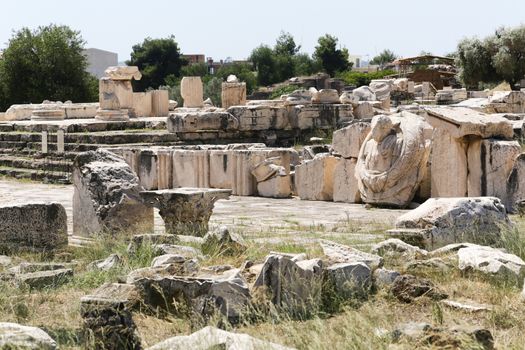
{"type": "Point", "coordinates": [164, 169]}
{"type": "Point", "coordinates": [346, 188]}
{"type": "Point", "coordinates": [325, 96]}
{"type": "Point", "coordinates": [147, 173]}
{"type": "Point", "coordinates": [35, 227]}
{"type": "Point", "coordinates": [191, 91]}
{"type": "Point", "coordinates": [191, 168]}
{"type": "Point", "coordinates": [314, 179]}
{"type": "Point", "coordinates": [198, 121]}
{"type": "Point", "coordinates": [107, 195]}
{"type": "Point", "coordinates": [489, 162]}
{"type": "Point", "coordinates": [320, 116]}
{"type": "Point", "coordinates": [363, 110]}
{"type": "Point", "coordinates": [141, 104]}
{"type": "Point", "coordinates": [347, 141]}
{"type": "Point", "coordinates": [160, 103]}
{"type": "Point", "coordinates": [221, 168]}
{"type": "Point", "coordinates": [123, 73]}
{"type": "Point", "coordinates": [260, 117]}
{"type": "Point", "coordinates": [233, 94]}
{"type": "Point", "coordinates": [275, 187]}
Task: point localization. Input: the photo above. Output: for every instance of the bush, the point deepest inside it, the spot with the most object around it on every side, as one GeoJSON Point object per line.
{"type": "Point", "coordinates": [358, 79]}
{"type": "Point", "coordinates": [283, 90]}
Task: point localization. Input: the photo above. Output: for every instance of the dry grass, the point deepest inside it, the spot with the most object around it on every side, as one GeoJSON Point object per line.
{"type": "Point", "coordinates": [357, 327]}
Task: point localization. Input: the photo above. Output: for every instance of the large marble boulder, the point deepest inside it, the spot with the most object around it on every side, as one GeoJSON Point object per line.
{"type": "Point", "coordinates": [364, 93]}
{"type": "Point", "coordinates": [33, 227]}
{"type": "Point", "coordinates": [15, 336]}
{"type": "Point", "coordinates": [107, 195]}
{"type": "Point", "coordinates": [347, 141]}
{"type": "Point", "coordinates": [214, 338]}
{"type": "Point", "coordinates": [454, 220]}
{"type": "Point", "coordinates": [123, 73]}
{"type": "Point", "coordinates": [392, 160]}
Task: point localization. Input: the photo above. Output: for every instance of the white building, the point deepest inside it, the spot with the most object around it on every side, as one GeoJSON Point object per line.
{"type": "Point", "coordinates": [99, 61]}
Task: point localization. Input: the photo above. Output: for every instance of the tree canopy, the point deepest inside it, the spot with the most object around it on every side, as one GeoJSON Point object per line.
{"type": "Point", "coordinates": [496, 58]}
{"type": "Point", "coordinates": [386, 56]}
{"type": "Point", "coordinates": [332, 59]}
{"type": "Point", "coordinates": [45, 64]}
{"type": "Point", "coordinates": [159, 60]}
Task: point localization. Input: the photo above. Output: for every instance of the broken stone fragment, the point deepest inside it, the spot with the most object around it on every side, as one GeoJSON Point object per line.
{"type": "Point", "coordinates": [203, 295]}
{"type": "Point", "coordinates": [348, 280]}
{"type": "Point", "coordinates": [293, 287]}
{"type": "Point", "coordinates": [44, 279]}
{"type": "Point", "coordinates": [214, 338]}
{"type": "Point", "coordinates": [397, 248]}
{"type": "Point", "coordinates": [223, 242]}
{"type": "Point", "coordinates": [16, 336]}
{"type": "Point", "coordinates": [37, 227]}
{"type": "Point", "coordinates": [407, 288]}
{"type": "Point", "coordinates": [107, 264]}
{"type": "Point", "coordinates": [455, 220]}
{"type": "Point", "coordinates": [339, 253]}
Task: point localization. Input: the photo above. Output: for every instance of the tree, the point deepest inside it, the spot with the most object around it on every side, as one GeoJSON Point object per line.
{"type": "Point", "coordinates": [45, 64]}
{"type": "Point", "coordinates": [495, 58]}
{"type": "Point", "coordinates": [159, 60]}
{"type": "Point", "coordinates": [194, 70]}
{"type": "Point", "coordinates": [263, 60]}
{"type": "Point", "coordinates": [385, 57]}
{"type": "Point", "coordinates": [305, 65]}
{"type": "Point", "coordinates": [332, 59]}
{"type": "Point", "coordinates": [285, 45]}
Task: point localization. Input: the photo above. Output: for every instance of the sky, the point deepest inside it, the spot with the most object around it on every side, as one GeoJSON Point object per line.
{"type": "Point", "coordinates": [232, 28]}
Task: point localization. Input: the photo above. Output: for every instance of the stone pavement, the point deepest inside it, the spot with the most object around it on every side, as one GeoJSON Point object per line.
{"type": "Point", "coordinates": [258, 217]}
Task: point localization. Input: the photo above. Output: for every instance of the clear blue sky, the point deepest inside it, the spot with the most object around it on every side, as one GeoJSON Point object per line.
{"type": "Point", "coordinates": [234, 27]}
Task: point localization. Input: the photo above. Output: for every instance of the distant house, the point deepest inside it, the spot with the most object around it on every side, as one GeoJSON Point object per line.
{"type": "Point", "coordinates": [194, 58]}
{"type": "Point", "coordinates": [99, 61]}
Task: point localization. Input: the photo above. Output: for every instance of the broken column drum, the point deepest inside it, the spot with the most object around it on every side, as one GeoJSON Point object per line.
{"type": "Point", "coordinates": [185, 210]}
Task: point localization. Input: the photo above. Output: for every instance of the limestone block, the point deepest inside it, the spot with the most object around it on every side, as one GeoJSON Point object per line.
{"type": "Point", "coordinates": [490, 161]}
{"type": "Point", "coordinates": [191, 91]}
{"type": "Point", "coordinates": [185, 211]}
{"type": "Point", "coordinates": [454, 220]}
{"type": "Point", "coordinates": [114, 95]}
{"type": "Point", "coordinates": [339, 253]}
{"type": "Point", "coordinates": [347, 141]}
{"type": "Point", "coordinates": [346, 188]}
{"type": "Point", "coordinates": [268, 168]}
{"type": "Point", "coordinates": [348, 280]}
{"type": "Point", "coordinates": [15, 336]}
{"type": "Point", "coordinates": [112, 115]}
{"type": "Point", "coordinates": [410, 87]}
{"type": "Point", "coordinates": [401, 84]}
{"type": "Point", "coordinates": [141, 104]}
{"type": "Point", "coordinates": [38, 227]}
{"type": "Point", "coordinates": [382, 88]}
{"type": "Point", "coordinates": [260, 117]}
{"type": "Point", "coordinates": [449, 170]}
{"type": "Point", "coordinates": [107, 195]}
{"type": "Point", "coordinates": [160, 103]}
{"type": "Point", "coordinates": [147, 173]}
{"type": "Point", "coordinates": [348, 98]}
{"type": "Point", "coordinates": [492, 262]}
{"type": "Point", "coordinates": [197, 121]}
{"type": "Point", "coordinates": [314, 179]}
{"type": "Point", "coordinates": [461, 121]}
{"type": "Point", "coordinates": [299, 97]}
{"type": "Point", "coordinates": [191, 168]}
{"type": "Point", "coordinates": [363, 110]}
{"type": "Point", "coordinates": [364, 93]}
{"type": "Point", "coordinates": [221, 169]}
{"type": "Point", "coordinates": [164, 169]}
{"type": "Point", "coordinates": [293, 287]}
{"type": "Point", "coordinates": [516, 185]}
{"type": "Point", "coordinates": [48, 114]}
{"type": "Point", "coordinates": [233, 94]}
{"type": "Point", "coordinates": [203, 295]}
{"type": "Point", "coordinates": [320, 116]}
{"type": "Point", "coordinates": [275, 187]}
{"type": "Point", "coordinates": [132, 158]}
{"type": "Point", "coordinates": [215, 338]}
{"type": "Point", "coordinates": [123, 73]}
{"type": "Point", "coordinates": [325, 96]}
